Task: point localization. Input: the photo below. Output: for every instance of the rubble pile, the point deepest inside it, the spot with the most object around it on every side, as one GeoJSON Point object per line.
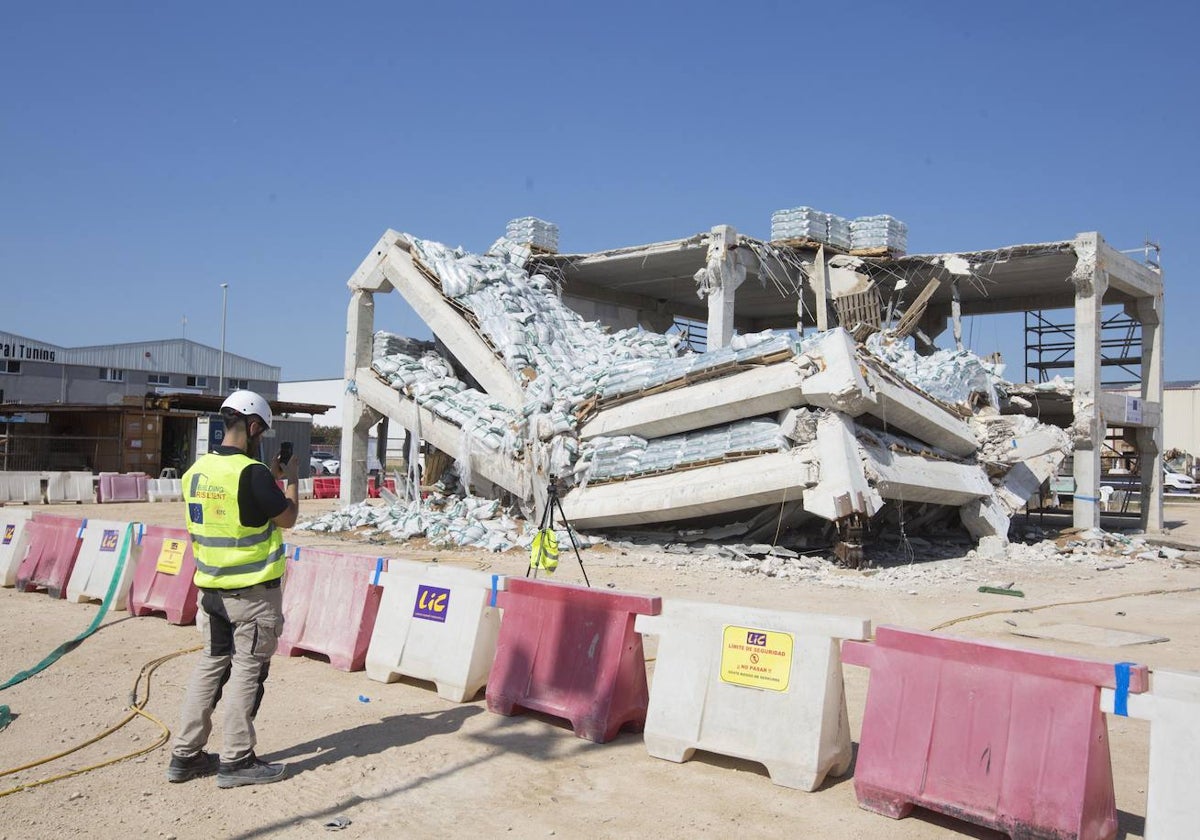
{"type": "Point", "coordinates": [637, 431]}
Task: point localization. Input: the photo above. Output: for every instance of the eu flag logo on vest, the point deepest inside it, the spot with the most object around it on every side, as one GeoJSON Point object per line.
{"type": "Point", "coordinates": [196, 512]}
{"type": "Point", "coordinates": [108, 540]}
{"type": "Point", "coordinates": [432, 603]}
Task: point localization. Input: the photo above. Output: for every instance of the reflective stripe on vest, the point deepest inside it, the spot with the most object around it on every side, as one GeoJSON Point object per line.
{"type": "Point", "coordinates": [228, 555]}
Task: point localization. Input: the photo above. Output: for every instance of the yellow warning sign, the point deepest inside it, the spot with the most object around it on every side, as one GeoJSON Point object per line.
{"type": "Point", "coordinates": [756, 658]}
{"type": "Point", "coordinates": [170, 558]}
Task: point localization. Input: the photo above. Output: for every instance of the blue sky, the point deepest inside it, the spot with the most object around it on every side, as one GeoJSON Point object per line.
{"type": "Point", "coordinates": [151, 151]}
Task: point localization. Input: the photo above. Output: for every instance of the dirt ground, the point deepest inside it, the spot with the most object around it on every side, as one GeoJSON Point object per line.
{"type": "Point", "coordinates": [396, 760]}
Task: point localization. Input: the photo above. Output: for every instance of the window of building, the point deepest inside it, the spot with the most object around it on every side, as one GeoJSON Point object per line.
{"type": "Point", "coordinates": [239, 384]}
{"type": "Point", "coordinates": [112, 374]}
{"type": "Point", "coordinates": [10, 366]}
{"type": "Point", "coordinates": [197, 381]}
{"type": "Point", "coordinates": [159, 379]}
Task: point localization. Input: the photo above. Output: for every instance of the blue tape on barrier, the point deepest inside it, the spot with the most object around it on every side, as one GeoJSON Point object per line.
{"type": "Point", "coordinates": [82, 528]}
{"type": "Point", "coordinates": [296, 556]}
{"type": "Point", "coordinates": [1121, 693]}
{"type": "Point", "coordinates": [1086, 498]}
{"type": "Point", "coordinates": [378, 571]}
{"type": "Point", "coordinates": [141, 532]}
{"type": "Point", "coordinates": [495, 585]}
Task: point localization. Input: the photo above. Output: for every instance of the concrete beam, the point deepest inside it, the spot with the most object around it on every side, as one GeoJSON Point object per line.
{"type": "Point", "coordinates": [763, 390]}
{"type": "Point", "coordinates": [843, 489]}
{"type": "Point", "coordinates": [1124, 273]}
{"type": "Point", "coordinates": [722, 488]}
{"type": "Point", "coordinates": [911, 478]}
{"type": "Point", "coordinates": [848, 385]}
{"type": "Point", "coordinates": [443, 434]}
{"type": "Point", "coordinates": [369, 274]}
{"type": "Point", "coordinates": [448, 324]}
{"type": "Point", "coordinates": [1123, 409]}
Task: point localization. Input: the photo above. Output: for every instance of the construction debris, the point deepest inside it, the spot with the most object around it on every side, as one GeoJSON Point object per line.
{"type": "Point", "coordinates": [637, 430]}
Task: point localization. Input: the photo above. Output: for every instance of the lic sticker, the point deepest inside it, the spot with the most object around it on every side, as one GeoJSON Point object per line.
{"type": "Point", "coordinates": [108, 541]}
{"type": "Point", "coordinates": [432, 603]}
{"type": "Point", "coordinates": [756, 658]}
{"type": "Point", "coordinates": [9, 530]}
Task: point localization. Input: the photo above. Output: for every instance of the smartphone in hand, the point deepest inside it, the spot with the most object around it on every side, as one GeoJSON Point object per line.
{"type": "Point", "coordinates": [285, 452]}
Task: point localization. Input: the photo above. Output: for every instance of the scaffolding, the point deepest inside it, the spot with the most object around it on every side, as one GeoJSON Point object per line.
{"type": "Point", "coordinates": [1050, 348]}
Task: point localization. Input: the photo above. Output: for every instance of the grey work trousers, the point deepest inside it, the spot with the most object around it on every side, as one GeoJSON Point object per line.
{"type": "Point", "coordinates": [241, 630]}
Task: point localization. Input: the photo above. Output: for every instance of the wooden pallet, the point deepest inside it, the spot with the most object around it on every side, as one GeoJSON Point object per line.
{"type": "Point", "coordinates": [882, 251]}
{"type": "Point", "coordinates": [807, 244]}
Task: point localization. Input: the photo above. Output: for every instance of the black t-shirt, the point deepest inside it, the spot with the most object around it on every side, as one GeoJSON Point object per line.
{"type": "Point", "coordinates": [259, 498]}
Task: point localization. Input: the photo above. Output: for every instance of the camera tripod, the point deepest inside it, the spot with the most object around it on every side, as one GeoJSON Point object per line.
{"type": "Point", "coordinates": [547, 524]}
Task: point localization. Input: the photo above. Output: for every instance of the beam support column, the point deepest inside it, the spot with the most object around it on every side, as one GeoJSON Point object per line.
{"type": "Point", "coordinates": [719, 281]}
{"type": "Point", "coordinates": [1088, 428]}
{"type": "Point", "coordinates": [357, 416]}
{"type": "Point", "coordinates": [1150, 439]}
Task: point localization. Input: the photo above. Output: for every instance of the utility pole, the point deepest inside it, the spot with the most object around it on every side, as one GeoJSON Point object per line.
{"type": "Point", "coordinates": [224, 302]}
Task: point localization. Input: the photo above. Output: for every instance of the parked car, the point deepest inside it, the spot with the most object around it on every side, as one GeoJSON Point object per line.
{"type": "Point", "coordinates": [324, 462]}
{"type": "Point", "coordinates": [1174, 482]}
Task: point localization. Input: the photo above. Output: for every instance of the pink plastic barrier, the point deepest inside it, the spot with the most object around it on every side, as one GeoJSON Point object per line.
{"type": "Point", "coordinates": [53, 547]}
{"type": "Point", "coordinates": [330, 601]}
{"type": "Point", "coordinates": [373, 491]}
{"type": "Point", "coordinates": [572, 652]}
{"type": "Point", "coordinates": [994, 735]}
{"type": "Point", "coordinates": [124, 487]}
{"type": "Point", "coordinates": [327, 487]}
{"type": "Point", "coordinates": [163, 580]}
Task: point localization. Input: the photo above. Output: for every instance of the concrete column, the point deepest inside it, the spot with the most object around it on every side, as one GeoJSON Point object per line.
{"type": "Point", "coordinates": [1088, 428]}
{"type": "Point", "coordinates": [956, 315]}
{"type": "Point", "coordinates": [357, 417]}
{"type": "Point", "coordinates": [719, 280]}
{"type": "Point", "coordinates": [1150, 440]}
{"type": "Point", "coordinates": [820, 285]}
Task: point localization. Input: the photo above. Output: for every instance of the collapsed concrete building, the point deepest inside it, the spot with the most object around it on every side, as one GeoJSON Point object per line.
{"type": "Point", "coordinates": [837, 420]}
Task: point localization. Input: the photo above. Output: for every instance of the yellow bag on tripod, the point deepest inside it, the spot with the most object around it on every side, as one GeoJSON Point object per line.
{"type": "Point", "coordinates": [543, 554]}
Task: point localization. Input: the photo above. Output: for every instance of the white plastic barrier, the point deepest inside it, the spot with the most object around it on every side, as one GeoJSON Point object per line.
{"type": "Point", "coordinates": [306, 488]}
{"type": "Point", "coordinates": [1173, 708]}
{"type": "Point", "coordinates": [12, 543]}
{"type": "Point", "coordinates": [436, 623]}
{"type": "Point", "coordinates": [164, 489]}
{"type": "Point", "coordinates": [70, 487]}
{"type": "Point", "coordinates": [21, 487]}
{"type": "Point", "coordinates": [103, 541]}
{"type": "Point", "coordinates": [763, 685]}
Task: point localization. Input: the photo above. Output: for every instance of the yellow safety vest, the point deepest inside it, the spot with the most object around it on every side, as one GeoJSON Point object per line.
{"type": "Point", "coordinates": [229, 555]}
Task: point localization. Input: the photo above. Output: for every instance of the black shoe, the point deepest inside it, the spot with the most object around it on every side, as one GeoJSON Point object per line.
{"type": "Point", "coordinates": [249, 771]}
{"type": "Point", "coordinates": [186, 769]}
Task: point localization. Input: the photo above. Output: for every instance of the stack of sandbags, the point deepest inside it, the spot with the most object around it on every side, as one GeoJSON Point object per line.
{"type": "Point", "coordinates": [839, 232]}
{"type": "Point", "coordinates": [800, 223]}
{"type": "Point", "coordinates": [879, 233]}
{"type": "Point", "coordinates": [538, 233]}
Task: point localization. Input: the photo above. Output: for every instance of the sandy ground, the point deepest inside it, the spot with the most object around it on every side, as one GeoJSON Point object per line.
{"type": "Point", "coordinates": [398, 761]}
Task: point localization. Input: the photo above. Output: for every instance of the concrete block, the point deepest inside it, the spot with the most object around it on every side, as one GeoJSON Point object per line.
{"type": "Point", "coordinates": [843, 488]}
{"type": "Point", "coordinates": [106, 545]}
{"type": "Point", "coordinates": [763, 685]}
{"type": "Point", "coordinates": [436, 623]}
{"type": "Point", "coordinates": [1173, 709]}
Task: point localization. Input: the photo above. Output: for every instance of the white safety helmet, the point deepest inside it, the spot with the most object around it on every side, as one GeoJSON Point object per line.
{"type": "Point", "coordinates": [247, 403]}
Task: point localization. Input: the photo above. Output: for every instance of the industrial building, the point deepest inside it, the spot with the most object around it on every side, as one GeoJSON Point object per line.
{"type": "Point", "coordinates": [842, 426]}
{"type": "Point", "coordinates": [140, 406]}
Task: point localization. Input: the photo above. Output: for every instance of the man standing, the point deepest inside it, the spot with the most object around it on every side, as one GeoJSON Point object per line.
{"type": "Point", "coordinates": [235, 511]}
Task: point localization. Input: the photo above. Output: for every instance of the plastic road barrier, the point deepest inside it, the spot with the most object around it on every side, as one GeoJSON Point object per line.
{"type": "Point", "coordinates": [764, 685]}
{"type": "Point", "coordinates": [329, 606]}
{"type": "Point", "coordinates": [1173, 709]}
{"type": "Point", "coordinates": [70, 487]}
{"type": "Point", "coordinates": [306, 488]}
{"type": "Point", "coordinates": [1001, 737]}
{"type": "Point", "coordinates": [162, 582]}
{"type": "Point", "coordinates": [53, 546]}
{"type": "Point", "coordinates": [327, 488]}
{"type": "Point", "coordinates": [124, 487]}
{"type": "Point", "coordinates": [164, 489]}
{"type": "Point", "coordinates": [437, 623]}
{"type": "Point", "coordinates": [13, 543]}
{"type": "Point", "coordinates": [572, 652]}
{"type": "Point", "coordinates": [21, 487]}
{"type": "Point", "coordinates": [97, 561]}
